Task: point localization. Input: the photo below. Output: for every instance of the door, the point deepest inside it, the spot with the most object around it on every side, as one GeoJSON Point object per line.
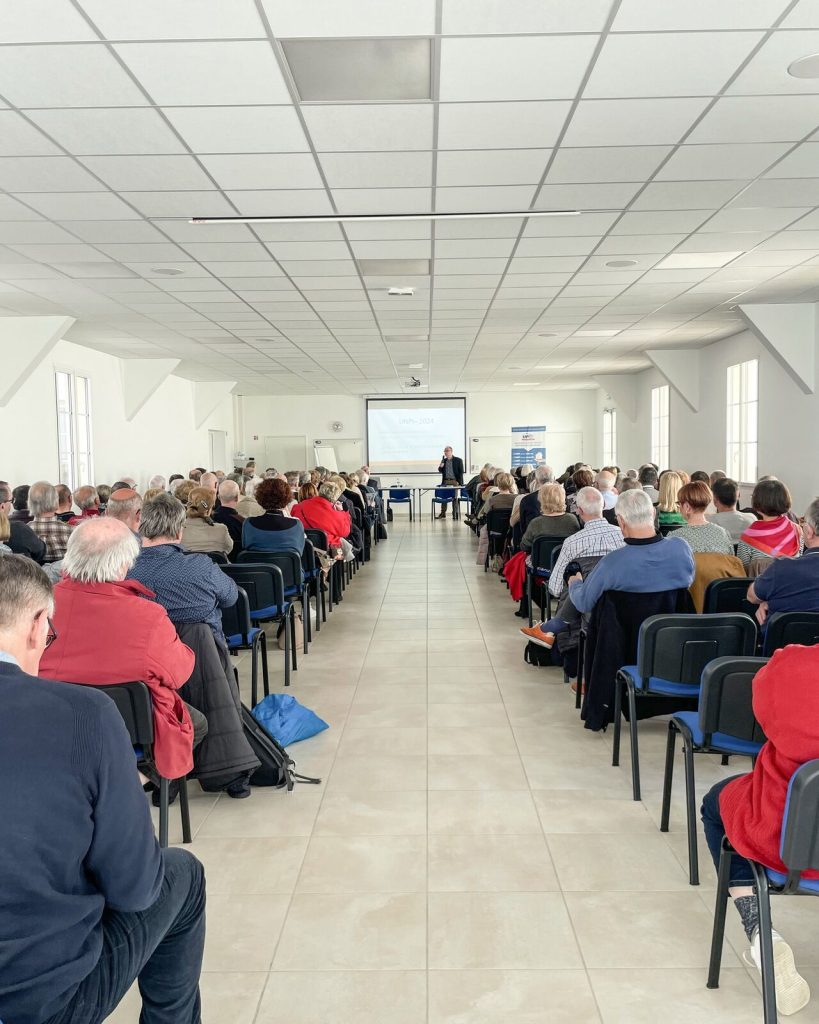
{"type": "Point", "coordinates": [217, 440]}
{"type": "Point", "coordinates": [284, 452]}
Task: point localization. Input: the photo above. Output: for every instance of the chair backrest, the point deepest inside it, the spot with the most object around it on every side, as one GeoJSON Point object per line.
{"type": "Point", "coordinates": [784, 628]}
{"type": "Point", "coordinates": [263, 583]}
{"type": "Point", "coordinates": [318, 538]}
{"type": "Point", "coordinates": [308, 557]}
{"type": "Point", "coordinates": [799, 845]}
{"type": "Point", "coordinates": [217, 556]}
{"type": "Point", "coordinates": [728, 595]}
{"type": "Point", "coordinates": [358, 517]}
{"type": "Point", "coordinates": [236, 619]}
{"type": "Point", "coordinates": [133, 701]}
{"type": "Point", "coordinates": [726, 699]}
{"type": "Point", "coordinates": [497, 521]}
{"type": "Point", "coordinates": [543, 551]}
{"type": "Point", "coordinates": [678, 647]}
{"type": "Point", "coordinates": [399, 494]}
{"type": "Point", "coordinates": [445, 493]}
{"type": "Point", "coordinates": [666, 528]}
{"type": "Point", "coordinates": [288, 561]}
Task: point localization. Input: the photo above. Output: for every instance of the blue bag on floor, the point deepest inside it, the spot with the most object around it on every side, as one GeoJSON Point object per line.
{"type": "Point", "coordinates": [287, 720]}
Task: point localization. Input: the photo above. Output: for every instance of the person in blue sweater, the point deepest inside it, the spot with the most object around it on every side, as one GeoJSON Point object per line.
{"type": "Point", "coordinates": [88, 901]}
{"type": "Point", "coordinates": [647, 563]}
{"type": "Point", "coordinates": [273, 531]}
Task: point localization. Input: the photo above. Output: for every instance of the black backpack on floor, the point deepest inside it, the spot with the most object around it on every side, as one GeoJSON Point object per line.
{"type": "Point", "coordinates": [278, 768]}
{"type": "Point", "coordinates": [535, 654]}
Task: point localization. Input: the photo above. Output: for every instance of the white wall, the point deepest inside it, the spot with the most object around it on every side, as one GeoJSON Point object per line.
{"type": "Point", "coordinates": [160, 439]}
{"type": "Point", "coordinates": [787, 420]}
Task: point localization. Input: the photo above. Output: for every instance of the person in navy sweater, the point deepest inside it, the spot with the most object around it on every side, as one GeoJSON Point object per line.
{"type": "Point", "coordinates": [88, 900]}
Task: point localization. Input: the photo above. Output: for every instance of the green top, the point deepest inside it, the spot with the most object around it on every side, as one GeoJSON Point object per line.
{"type": "Point", "coordinates": [670, 519]}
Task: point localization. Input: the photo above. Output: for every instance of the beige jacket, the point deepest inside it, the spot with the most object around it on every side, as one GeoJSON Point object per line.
{"type": "Point", "coordinates": [198, 535]}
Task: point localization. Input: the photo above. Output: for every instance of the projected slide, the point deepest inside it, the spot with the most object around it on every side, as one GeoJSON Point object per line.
{"type": "Point", "coordinates": [405, 436]}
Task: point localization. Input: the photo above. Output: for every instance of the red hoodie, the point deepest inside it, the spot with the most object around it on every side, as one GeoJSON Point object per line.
{"type": "Point", "coordinates": [786, 705]}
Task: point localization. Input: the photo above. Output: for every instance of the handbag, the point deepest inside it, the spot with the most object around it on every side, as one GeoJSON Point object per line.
{"type": "Point", "coordinates": [299, 633]}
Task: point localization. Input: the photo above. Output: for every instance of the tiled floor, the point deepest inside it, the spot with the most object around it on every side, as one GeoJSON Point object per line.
{"type": "Point", "coordinates": [471, 857]}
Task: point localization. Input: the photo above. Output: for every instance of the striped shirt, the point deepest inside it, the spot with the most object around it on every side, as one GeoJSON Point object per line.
{"type": "Point", "coordinates": [596, 538]}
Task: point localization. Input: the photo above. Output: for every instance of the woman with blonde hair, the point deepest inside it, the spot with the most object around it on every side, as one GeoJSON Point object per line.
{"type": "Point", "coordinates": [152, 493]}
{"type": "Point", "coordinates": [668, 509]}
{"type": "Point", "coordinates": [200, 533]}
{"type": "Point", "coordinates": [554, 520]}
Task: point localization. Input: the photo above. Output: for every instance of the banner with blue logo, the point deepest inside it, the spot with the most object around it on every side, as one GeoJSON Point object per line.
{"type": "Point", "coordinates": [528, 445]}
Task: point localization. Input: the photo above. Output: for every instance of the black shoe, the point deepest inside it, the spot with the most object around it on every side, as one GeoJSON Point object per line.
{"type": "Point", "coordinates": [239, 790]}
{"type": "Point", "coordinates": [441, 516]}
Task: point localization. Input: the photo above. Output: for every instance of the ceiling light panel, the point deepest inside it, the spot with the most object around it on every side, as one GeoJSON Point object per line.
{"type": "Point", "coordinates": [330, 70]}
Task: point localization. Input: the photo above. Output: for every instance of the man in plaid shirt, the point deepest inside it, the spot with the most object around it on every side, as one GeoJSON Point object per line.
{"type": "Point", "coordinates": [43, 503]}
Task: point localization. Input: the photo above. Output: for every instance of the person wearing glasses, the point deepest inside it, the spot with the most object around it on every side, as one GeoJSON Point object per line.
{"type": "Point", "coordinates": [88, 901]}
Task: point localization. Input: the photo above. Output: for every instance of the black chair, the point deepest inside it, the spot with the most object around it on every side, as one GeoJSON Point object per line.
{"type": "Point", "coordinates": [784, 628]}
{"type": "Point", "coordinates": [799, 851]}
{"type": "Point", "coordinates": [544, 555]}
{"type": "Point", "coordinates": [217, 556]}
{"type": "Point", "coordinates": [133, 701]}
{"type": "Point", "coordinates": [335, 578]}
{"type": "Point", "coordinates": [264, 585]}
{"type": "Point", "coordinates": [497, 529]}
{"type": "Point", "coordinates": [672, 652]}
{"type": "Point", "coordinates": [242, 635]}
{"type": "Point", "coordinates": [728, 595]}
{"type": "Point", "coordinates": [667, 528]}
{"type": "Point", "coordinates": [294, 587]}
{"type": "Point", "coordinates": [311, 568]}
{"type": "Point", "coordinates": [724, 723]}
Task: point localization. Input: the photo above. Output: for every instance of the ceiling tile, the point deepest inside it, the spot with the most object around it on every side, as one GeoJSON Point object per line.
{"type": "Point", "coordinates": [376, 170]}
{"type": "Point", "coordinates": [660, 222]}
{"type": "Point", "coordinates": [151, 173]}
{"type": "Point", "coordinates": [780, 192]}
{"type": "Point", "coordinates": [803, 162]}
{"type": "Point", "coordinates": [651, 64]}
{"type": "Point", "coordinates": [200, 74]}
{"type": "Point", "coordinates": [628, 244]}
{"type": "Point", "coordinates": [767, 71]}
{"type": "Point", "coordinates": [301, 202]}
{"type": "Point", "coordinates": [465, 247]}
{"type": "Point", "coordinates": [380, 249]}
{"type": "Point", "coordinates": [180, 204]}
{"type": "Point", "coordinates": [580, 246]}
{"type": "Point", "coordinates": [500, 125]}
{"type": "Point", "coordinates": [42, 21]}
{"type": "Point", "coordinates": [239, 129]}
{"type": "Point", "coordinates": [494, 17]}
{"type": "Point", "coordinates": [182, 19]}
{"type": "Point", "coordinates": [757, 119]}
{"type": "Point", "coordinates": [24, 231]}
{"type": "Point", "coordinates": [687, 195]}
{"type": "Point", "coordinates": [383, 200]}
{"type": "Point", "coordinates": [632, 122]}
{"type": "Point", "coordinates": [697, 259]}
{"type": "Point", "coordinates": [607, 164]}
{"type": "Point", "coordinates": [263, 170]}
{"type": "Point", "coordinates": [513, 67]}
{"type": "Point", "coordinates": [364, 126]}
{"type": "Point", "coordinates": [112, 130]}
{"type": "Point", "coordinates": [44, 174]}
{"type": "Point", "coordinates": [665, 16]}
{"type": "Point", "coordinates": [350, 18]}
{"type": "Point", "coordinates": [804, 15]}
{"type": "Point", "coordinates": [583, 224]}
{"type": "Point", "coordinates": [19, 138]}
{"type": "Point", "coordinates": [586, 197]}
{"type": "Point", "coordinates": [492, 167]}
{"type": "Point", "coordinates": [71, 75]}
{"type": "Point", "coordinates": [79, 205]}
{"type": "Point", "coordinates": [714, 162]}
{"type": "Point", "coordinates": [10, 209]}
{"type": "Point", "coordinates": [468, 199]}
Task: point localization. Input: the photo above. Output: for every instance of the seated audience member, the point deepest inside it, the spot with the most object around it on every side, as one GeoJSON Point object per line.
{"type": "Point", "coordinates": [219, 474]}
{"type": "Point", "coordinates": [181, 490]}
{"type": "Point", "coordinates": [104, 493]}
{"type": "Point", "coordinates": [173, 478]}
{"type": "Point", "coordinates": [774, 534]}
{"type": "Point", "coordinates": [647, 563]}
{"type": "Point", "coordinates": [668, 508]}
{"type": "Point", "coordinates": [83, 874]}
{"type": "Point", "coordinates": [597, 538]}
{"type": "Point", "coordinates": [605, 482]}
{"type": "Point", "coordinates": [200, 532]}
{"type": "Point", "coordinates": [190, 587]}
{"type": "Point", "coordinates": [748, 809]}
{"type": "Point", "coordinates": [124, 483]}
{"type": "Point", "coordinates": [21, 539]}
{"type": "Point", "coordinates": [270, 473]}
{"type": "Point", "coordinates": [308, 490]}
{"type": "Point", "coordinates": [126, 505]}
{"type": "Point", "coordinates": [324, 513]}
{"type": "Point", "coordinates": [292, 478]}
{"type": "Point", "coordinates": [273, 531]}
{"type": "Point", "coordinates": [579, 479]}
{"type": "Point", "coordinates": [65, 508]}
{"type": "Point", "coordinates": [700, 476]}
{"type": "Point", "coordinates": [151, 493]}
{"type": "Point", "coordinates": [725, 497]}
{"type": "Point", "coordinates": [19, 501]}
{"type": "Point", "coordinates": [703, 537]}
{"type": "Point", "coordinates": [211, 482]}
{"type": "Point", "coordinates": [352, 492]}
{"type": "Point", "coordinates": [791, 584]}
{"type": "Point", "coordinates": [554, 520]}
{"type": "Point", "coordinates": [227, 515]}
{"type": "Point", "coordinates": [529, 507]}
{"type": "Point", "coordinates": [629, 484]}
{"type": "Point", "coordinates": [247, 505]}
{"type": "Point", "coordinates": [649, 481]}
{"type": "Point", "coordinates": [195, 474]}
{"type": "Point", "coordinates": [157, 481]}
{"type": "Point", "coordinates": [88, 502]}
{"type": "Point", "coordinates": [503, 497]}
{"type": "Point", "coordinates": [716, 475]}
{"type": "Point", "coordinates": [112, 631]}
{"type": "Point", "coordinates": [43, 502]}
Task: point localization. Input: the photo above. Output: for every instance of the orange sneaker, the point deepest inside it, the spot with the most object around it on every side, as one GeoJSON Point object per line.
{"type": "Point", "coordinates": [537, 636]}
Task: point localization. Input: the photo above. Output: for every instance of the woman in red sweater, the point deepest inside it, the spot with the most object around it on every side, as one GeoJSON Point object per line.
{"type": "Point", "coordinates": [748, 808]}
{"type": "Point", "coordinates": [324, 513]}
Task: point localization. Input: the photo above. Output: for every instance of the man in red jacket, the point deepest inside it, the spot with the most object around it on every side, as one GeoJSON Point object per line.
{"type": "Point", "coordinates": [748, 809]}
{"type": "Point", "coordinates": [111, 630]}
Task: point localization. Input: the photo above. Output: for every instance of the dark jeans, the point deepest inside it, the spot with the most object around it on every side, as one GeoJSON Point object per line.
{"type": "Point", "coordinates": [741, 873]}
{"type": "Point", "coordinates": [161, 946]}
{"type": "Point", "coordinates": [554, 625]}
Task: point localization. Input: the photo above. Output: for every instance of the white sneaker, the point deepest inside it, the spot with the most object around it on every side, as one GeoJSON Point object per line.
{"type": "Point", "coordinates": [792, 991]}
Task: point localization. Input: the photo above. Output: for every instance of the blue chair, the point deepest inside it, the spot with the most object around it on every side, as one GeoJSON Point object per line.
{"type": "Point", "coordinates": [294, 586]}
{"type": "Point", "coordinates": [798, 851]}
{"type": "Point", "coordinates": [464, 496]}
{"type": "Point", "coordinates": [545, 551]}
{"type": "Point", "coordinates": [724, 723]}
{"type": "Point", "coordinates": [672, 651]}
{"type": "Point", "coordinates": [444, 496]}
{"type": "Point", "coordinates": [400, 496]}
{"type": "Point", "coordinates": [242, 635]}
{"type": "Point", "coordinates": [264, 585]}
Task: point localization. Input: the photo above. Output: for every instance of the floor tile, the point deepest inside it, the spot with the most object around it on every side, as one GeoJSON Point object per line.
{"type": "Point", "coordinates": [344, 997]}
{"type": "Point", "coordinates": [353, 773]}
{"type": "Point", "coordinates": [476, 772]}
{"type": "Point", "coordinates": [240, 865]}
{"type": "Point", "coordinates": [675, 997]}
{"type": "Point", "coordinates": [490, 864]}
{"type": "Point", "coordinates": [364, 864]}
{"type": "Point", "coordinates": [511, 997]}
{"type": "Point", "coordinates": [458, 812]}
{"type": "Point", "coordinates": [242, 931]}
{"type": "Point", "coordinates": [373, 814]}
{"type": "Point", "coordinates": [628, 863]}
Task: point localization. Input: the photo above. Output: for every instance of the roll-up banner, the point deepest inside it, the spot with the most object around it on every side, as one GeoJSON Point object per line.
{"type": "Point", "coordinates": [528, 445]}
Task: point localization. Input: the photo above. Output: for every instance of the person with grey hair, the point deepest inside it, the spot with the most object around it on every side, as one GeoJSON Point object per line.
{"type": "Point", "coordinates": [90, 901]}
{"type": "Point", "coordinates": [529, 505]}
{"type": "Point", "coordinates": [21, 538]}
{"type": "Point", "coordinates": [43, 502]}
{"type": "Point", "coordinates": [189, 586]}
{"type": "Point", "coordinates": [325, 513]}
{"type": "Point", "coordinates": [304, 477]}
{"type": "Point", "coordinates": [209, 480]}
{"type": "Point", "coordinates": [227, 515]}
{"type": "Point", "coordinates": [605, 482]}
{"type": "Point", "coordinates": [647, 563]}
{"type": "Point", "coordinates": [125, 504]}
{"type": "Point", "coordinates": [791, 584]}
{"type": "Point", "coordinates": [157, 481]}
{"type": "Point", "coordinates": [597, 539]}
{"type": "Point", "coordinates": [247, 506]}
{"type": "Point", "coordinates": [87, 501]}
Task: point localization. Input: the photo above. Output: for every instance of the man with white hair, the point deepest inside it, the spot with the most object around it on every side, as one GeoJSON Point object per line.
{"type": "Point", "coordinates": [605, 484]}
{"type": "Point", "coordinates": [227, 515]}
{"type": "Point", "coordinates": [87, 501]}
{"type": "Point", "coordinates": [647, 563]}
{"type": "Point", "coordinates": [529, 506]}
{"type": "Point", "coordinates": [90, 902]}
{"type": "Point", "coordinates": [597, 538]}
{"type": "Point", "coordinates": [125, 504]}
{"type": "Point", "coordinates": [43, 502]}
{"type": "Point", "coordinates": [209, 480]}
{"type": "Point", "coordinates": [247, 506]}
{"type": "Point", "coordinates": [158, 480]}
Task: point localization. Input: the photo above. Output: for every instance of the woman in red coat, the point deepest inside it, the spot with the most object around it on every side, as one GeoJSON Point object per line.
{"type": "Point", "coordinates": [322, 513]}
{"type": "Point", "coordinates": [748, 808]}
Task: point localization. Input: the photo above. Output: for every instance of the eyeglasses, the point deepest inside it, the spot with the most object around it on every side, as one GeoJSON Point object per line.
{"type": "Point", "coordinates": [51, 634]}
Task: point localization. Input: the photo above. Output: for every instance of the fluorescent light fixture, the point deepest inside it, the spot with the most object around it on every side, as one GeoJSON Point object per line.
{"type": "Point", "coordinates": [415, 366]}
{"type": "Point", "coordinates": [401, 291]}
{"type": "Point", "coordinates": [525, 383]}
{"type": "Point", "coordinates": [366, 218]}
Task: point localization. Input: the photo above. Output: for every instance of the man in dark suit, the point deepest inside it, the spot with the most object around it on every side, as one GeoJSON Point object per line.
{"type": "Point", "coordinates": [452, 475]}
{"type": "Point", "coordinates": [529, 507]}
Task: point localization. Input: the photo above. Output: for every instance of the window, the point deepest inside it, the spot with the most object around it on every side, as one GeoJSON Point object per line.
{"type": "Point", "coordinates": [609, 437]}
{"type": "Point", "coordinates": [742, 409]}
{"type": "Point", "coordinates": [659, 426]}
{"type": "Point", "coordinates": [74, 429]}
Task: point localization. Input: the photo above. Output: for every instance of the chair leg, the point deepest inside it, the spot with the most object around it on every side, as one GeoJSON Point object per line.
{"type": "Point", "coordinates": [163, 812]}
{"type": "Point", "coordinates": [293, 653]}
{"type": "Point", "coordinates": [286, 651]}
{"type": "Point", "coordinates": [668, 776]}
{"type": "Point", "coordinates": [618, 712]}
{"type": "Point", "coordinates": [530, 596]}
{"type": "Point", "coordinates": [254, 675]}
{"type": "Point", "coordinates": [581, 658]}
{"type": "Point", "coordinates": [319, 581]}
{"type": "Point", "coordinates": [261, 640]}
{"type": "Point", "coordinates": [724, 760]}
{"type": "Point", "coordinates": [632, 732]}
{"type": "Point", "coordinates": [305, 618]}
{"type": "Point", "coordinates": [184, 810]}
{"type": "Point", "coordinates": [691, 812]}
{"type": "Point", "coordinates": [720, 907]}
{"type": "Point", "coordinates": [763, 898]}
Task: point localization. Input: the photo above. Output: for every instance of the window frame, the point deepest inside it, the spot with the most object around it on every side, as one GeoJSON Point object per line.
{"type": "Point", "coordinates": [661, 425]}
{"type": "Point", "coordinates": [74, 423]}
{"type": "Point", "coordinates": [742, 420]}
{"type": "Point", "coordinates": [610, 437]}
